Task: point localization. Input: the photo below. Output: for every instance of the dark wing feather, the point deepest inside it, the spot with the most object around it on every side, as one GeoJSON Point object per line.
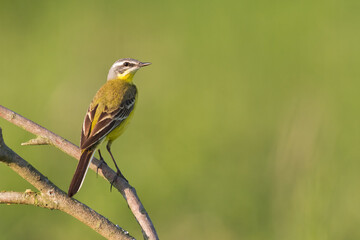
{"type": "Point", "coordinates": [87, 123]}
{"type": "Point", "coordinates": [108, 121]}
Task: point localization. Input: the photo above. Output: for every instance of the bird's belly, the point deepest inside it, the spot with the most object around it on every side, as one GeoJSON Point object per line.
{"type": "Point", "coordinates": [119, 129]}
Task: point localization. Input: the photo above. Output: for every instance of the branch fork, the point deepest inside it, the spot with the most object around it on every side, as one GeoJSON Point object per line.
{"type": "Point", "coordinates": [52, 197]}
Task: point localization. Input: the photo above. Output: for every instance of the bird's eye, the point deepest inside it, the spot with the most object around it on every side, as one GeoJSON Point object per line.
{"type": "Point", "coordinates": [126, 64]}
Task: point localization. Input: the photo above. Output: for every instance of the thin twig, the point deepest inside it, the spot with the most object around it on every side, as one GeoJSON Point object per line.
{"type": "Point", "coordinates": [128, 192]}
{"type": "Point", "coordinates": [52, 197]}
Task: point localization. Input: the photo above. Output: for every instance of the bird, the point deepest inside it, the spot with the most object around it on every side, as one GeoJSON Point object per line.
{"type": "Point", "coordinates": [107, 116]}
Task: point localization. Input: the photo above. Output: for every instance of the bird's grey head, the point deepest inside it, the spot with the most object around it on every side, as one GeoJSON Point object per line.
{"type": "Point", "coordinates": [125, 68]}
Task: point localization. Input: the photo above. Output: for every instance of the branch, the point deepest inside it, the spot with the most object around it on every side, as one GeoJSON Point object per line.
{"type": "Point", "coordinates": [128, 192]}
{"type": "Point", "coordinates": [26, 198]}
{"type": "Point", "coordinates": [52, 197]}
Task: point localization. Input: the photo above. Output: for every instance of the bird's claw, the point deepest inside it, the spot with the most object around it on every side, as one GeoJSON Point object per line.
{"type": "Point", "coordinates": [118, 174]}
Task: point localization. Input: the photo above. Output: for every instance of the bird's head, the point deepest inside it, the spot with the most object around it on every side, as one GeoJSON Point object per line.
{"type": "Point", "coordinates": [125, 69]}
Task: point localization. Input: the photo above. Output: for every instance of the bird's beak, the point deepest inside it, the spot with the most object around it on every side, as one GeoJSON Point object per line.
{"type": "Point", "coordinates": [143, 64]}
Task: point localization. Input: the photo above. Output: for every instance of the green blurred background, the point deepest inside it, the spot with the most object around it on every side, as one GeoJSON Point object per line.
{"type": "Point", "coordinates": [247, 125]}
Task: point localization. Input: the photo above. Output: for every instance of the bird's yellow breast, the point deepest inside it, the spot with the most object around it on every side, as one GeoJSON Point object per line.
{"type": "Point", "coordinates": [114, 134]}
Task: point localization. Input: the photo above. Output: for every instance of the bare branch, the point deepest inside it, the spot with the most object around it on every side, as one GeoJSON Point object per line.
{"type": "Point", "coordinates": [128, 192]}
{"type": "Point", "coordinates": [53, 197]}
{"type": "Point", "coordinates": [28, 198]}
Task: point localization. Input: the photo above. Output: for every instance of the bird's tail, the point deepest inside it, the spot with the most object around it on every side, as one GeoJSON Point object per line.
{"type": "Point", "coordinates": [80, 172]}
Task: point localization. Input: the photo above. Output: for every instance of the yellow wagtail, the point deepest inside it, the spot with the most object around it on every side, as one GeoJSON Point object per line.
{"type": "Point", "coordinates": [107, 116]}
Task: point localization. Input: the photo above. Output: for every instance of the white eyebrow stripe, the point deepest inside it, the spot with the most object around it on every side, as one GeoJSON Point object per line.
{"type": "Point", "coordinates": [117, 64]}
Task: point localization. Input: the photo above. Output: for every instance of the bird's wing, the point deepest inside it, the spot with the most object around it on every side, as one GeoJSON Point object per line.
{"type": "Point", "coordinates": [96, 129]}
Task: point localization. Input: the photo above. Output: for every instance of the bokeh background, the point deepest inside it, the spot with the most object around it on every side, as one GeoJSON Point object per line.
{"type": "Point", "coordinates": [247, 125]}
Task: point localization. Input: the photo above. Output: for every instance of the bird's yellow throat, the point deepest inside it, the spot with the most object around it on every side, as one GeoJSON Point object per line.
{"type": "Point", "coordinates": [126, 76]}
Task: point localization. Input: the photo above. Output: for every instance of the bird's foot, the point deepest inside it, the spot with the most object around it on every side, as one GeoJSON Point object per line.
{"type": "Point", "coordinates": [118, 174]}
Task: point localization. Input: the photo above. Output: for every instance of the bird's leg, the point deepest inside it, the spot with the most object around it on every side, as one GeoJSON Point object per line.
{"type": "Point", "coordinates": [118, 173]}
{"type": "Point", "coordinates": [102, 161]}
